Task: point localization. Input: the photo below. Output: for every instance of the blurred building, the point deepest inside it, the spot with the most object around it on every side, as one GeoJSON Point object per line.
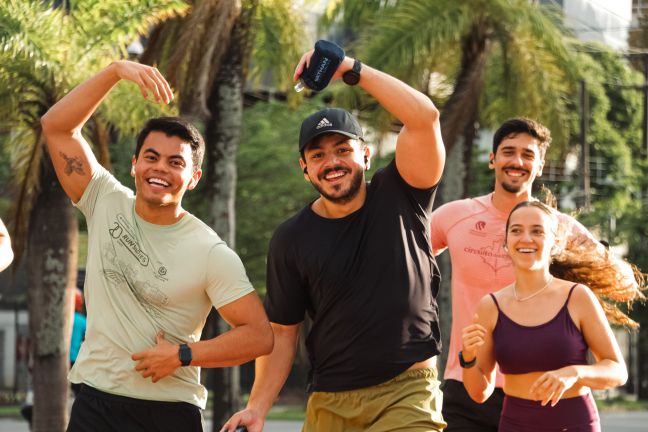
{"type": "Point", "coordinates": [605, 21]}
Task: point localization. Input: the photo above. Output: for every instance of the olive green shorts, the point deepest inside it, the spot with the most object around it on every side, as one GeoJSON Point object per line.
{"type": "Point", "coordinates": [410, 402]}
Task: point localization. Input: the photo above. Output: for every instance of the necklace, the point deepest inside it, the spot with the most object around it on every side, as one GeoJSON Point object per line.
{"type": "Point", "coordinates": [532, 295]}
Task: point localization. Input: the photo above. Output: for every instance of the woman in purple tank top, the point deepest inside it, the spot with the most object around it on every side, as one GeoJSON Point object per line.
{"type": "Point", "coordinates": [538, 331]}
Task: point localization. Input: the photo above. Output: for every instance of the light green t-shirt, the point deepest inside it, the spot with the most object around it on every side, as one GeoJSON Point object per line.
{"type": "Point", "coordinates": [142, 278]}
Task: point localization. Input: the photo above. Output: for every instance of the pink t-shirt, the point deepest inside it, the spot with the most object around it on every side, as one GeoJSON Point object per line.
{"type": "Point", "coordinates": [473, 230]}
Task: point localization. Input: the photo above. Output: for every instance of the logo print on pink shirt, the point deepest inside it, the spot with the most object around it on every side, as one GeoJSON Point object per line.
{"type": "Point", "coordinates": [493, 255]}
{"type": "Point", "coordinates": [496, 257]}
{"type": "Point", "coordinates": [480, 225]}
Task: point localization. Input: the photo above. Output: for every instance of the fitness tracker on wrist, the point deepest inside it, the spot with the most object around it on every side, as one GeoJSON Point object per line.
{"type": "Point", "coordinates": [352, 76]}
{"type": "Point", "coordinates": [185, 355]}
{"type": "Point", "coordinates": [464, 364]}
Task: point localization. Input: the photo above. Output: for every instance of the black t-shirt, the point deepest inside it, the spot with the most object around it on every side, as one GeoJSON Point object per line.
{"type": "Point", "coordinates": [368, 281]}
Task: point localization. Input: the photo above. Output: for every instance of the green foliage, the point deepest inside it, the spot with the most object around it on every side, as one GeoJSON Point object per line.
{"type": "Point", "coordinates": [271, 186]}
{"type": "Point", "coordinates": [614, 134]}
{"type": "Point", "coordinates": [530, 69]}
{"type": "Point", "coordinates": [279, 42]}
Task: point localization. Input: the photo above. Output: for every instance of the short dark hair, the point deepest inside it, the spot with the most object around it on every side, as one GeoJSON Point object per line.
{"type": "Point", "coordinates": [512, 127]}
{"type": "Point", "coordinates": [178, 127]}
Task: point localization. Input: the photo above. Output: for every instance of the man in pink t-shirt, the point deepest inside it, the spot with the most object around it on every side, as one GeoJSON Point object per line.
{"type": "Point", "coordinates": [473, 231]}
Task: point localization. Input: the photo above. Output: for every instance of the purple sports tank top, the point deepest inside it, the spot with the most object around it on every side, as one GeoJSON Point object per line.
{"type": "Point", "coordinates": [522, 349]}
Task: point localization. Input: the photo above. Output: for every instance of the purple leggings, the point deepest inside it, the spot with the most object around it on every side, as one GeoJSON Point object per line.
{"type": "Point", "coordinates": [577, 414]}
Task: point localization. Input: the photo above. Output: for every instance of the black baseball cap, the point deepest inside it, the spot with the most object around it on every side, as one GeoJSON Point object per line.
{"type": "Point", "coordinates": [329, 120]}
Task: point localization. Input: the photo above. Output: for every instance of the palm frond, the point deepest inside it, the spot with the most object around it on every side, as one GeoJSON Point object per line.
{"type": "Point", "coordinates": [280, 40]}
{"type": "Point", "coordinates": [101, 25]}
{"type": "Point", "coordinates": [127, 110]}
{"type": "Point", "coordinates": [410, 36]}
{"type": "Point", "coordinates": [26, 148]}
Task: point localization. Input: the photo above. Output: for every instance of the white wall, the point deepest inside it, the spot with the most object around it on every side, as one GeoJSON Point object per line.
{"type": "Point", "coordinates": [8, 347]}
{"type": "Point", "coordinates": [605, 21]}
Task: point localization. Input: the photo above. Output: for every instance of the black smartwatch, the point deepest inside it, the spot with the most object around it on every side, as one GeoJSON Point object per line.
{"type": "Point", "coordinates": [185, 354]}
{"type": "Point", "coordinates": [464, 364]}
{"type": "Point", "coordinates": [352, 76]}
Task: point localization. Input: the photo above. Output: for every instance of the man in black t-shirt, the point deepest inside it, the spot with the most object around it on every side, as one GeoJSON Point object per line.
{"type": "Point", "coordinates": [358, 260]}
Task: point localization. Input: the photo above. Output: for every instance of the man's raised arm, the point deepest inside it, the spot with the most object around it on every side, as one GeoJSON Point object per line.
{"type": "Point", "coordinates": [420, 154]}
{"type": "Point", "coordinates": [71, 155]}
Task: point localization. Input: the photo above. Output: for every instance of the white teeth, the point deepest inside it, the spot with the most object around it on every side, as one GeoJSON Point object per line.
{"type": "Point", "coordinates": [515, 174]}
{"type": "Point", "coordinates": [158, 181]}
{"type": "Point", "coordinates": [334, 175]}
{"type": "Point", "coordinates": [526, 250]}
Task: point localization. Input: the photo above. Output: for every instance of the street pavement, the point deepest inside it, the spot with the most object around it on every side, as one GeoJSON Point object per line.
{"type": "Point", "coordinates": [13, 425]}
{"type": "Point", "coordinates": [610, 422]}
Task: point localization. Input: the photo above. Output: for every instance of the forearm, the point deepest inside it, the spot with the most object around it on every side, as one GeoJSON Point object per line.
{"type": "Point", "coordinates": [602, 375]}
{"type": "Point", "coordinates": [271, 372]}
{"type": "Point", "coordinates": [234, 347]}
{"type": "Point", "coordinates": [414, 109]}
{"type": "Point", "coordinates": [478, 384]}
{"type": "Point", "coordinates": [69, 114]}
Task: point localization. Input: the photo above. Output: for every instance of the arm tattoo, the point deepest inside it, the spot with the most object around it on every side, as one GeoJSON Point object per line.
{"type": "Point", "coordinates": [72, 164]}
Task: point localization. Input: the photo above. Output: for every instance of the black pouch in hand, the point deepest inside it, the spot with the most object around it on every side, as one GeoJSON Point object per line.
{"type": "Point", "coordinates": [323, 64]}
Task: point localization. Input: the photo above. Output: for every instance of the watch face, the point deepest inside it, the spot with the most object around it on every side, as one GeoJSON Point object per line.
{"type": "Point", "coordinates": [185, 355]}
{"type": "Point", "coordinates": [351, 77]}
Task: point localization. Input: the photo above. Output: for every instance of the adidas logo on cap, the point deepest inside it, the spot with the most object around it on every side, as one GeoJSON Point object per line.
{"type": "Point", "coordinates": [323, 123]}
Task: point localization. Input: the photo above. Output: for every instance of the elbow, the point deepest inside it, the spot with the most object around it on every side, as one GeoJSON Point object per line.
{"type": "Point", "coordinates": [477, 396]}
{"type": "Point", "coordinates": [430, 112]}
{"type": "Point", "coordinates": [622, 375]}
{"type": "Point", "coordinates": [46, 123]}
{"type": "Point", "coordinates": [475, 392]}
{"type": "Point", "coordinates": [434, 113]}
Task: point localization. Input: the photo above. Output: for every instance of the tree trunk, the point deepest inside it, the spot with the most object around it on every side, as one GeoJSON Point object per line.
{"type": "Point", "coordinates": [462, 106]}
{"type": "Point", "coordinates": [223, 136]}
{"type": "Point", "coordinates": [468, 144]}
{"type": "Point", "coordinates": [52, 262]}
{"type": "Point", "coordinates": [459, 119]}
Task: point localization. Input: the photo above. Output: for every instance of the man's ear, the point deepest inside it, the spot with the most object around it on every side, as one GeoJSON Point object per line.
{"type": "Point", "coordinates": [491, 160]}
{"type": "Point", "coordinates": [304, 169]}
{"type": "Point", "coordinates": [542, 162]}
{"type": "Point", "coordinates": [367, 158]}
{"type": "Point", "coordinates": [133, 160]}
{"type": "Point", "coordinates": [195, 177]}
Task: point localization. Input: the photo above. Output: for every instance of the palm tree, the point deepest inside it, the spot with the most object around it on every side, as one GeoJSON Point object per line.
{"type": "Point", "coordinates": [44, 51]}
{"type": "Point", "coordinates": [209, 56]}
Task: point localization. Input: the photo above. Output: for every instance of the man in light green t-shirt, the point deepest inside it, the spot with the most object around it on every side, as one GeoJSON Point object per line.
{"type": "Point", "coordinates": [153, 273]}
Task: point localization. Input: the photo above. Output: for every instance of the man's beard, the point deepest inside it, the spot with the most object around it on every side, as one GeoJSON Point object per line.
{"type": "Point", "coordinates": [349, 195]}
{"type": "Point", "coordinates": [511, 188]}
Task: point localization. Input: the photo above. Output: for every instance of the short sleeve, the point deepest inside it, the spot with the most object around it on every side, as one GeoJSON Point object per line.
{"type": "Point", "coordinates": [424, 198]}
{"type": "Point", "coordinates": [576, 233]}
{"type": "Point", "coordinates": [286, 298]}
{"type": "Point", "coordinates": [101, 184]}
{"type": "Point", "coordinates": [227, 280]}
{"type": "Point", "coordinates": [437, 230]}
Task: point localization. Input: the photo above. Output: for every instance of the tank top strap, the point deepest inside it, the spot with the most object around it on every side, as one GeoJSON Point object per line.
{"type": "Point", "coordinates": [571, 290]}
{"type": "Point", "coordinates": [495, 300]}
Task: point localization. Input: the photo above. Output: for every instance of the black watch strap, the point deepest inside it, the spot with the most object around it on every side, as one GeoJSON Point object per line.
{"type": "Point", "coordinates": [185, 354]}
{"type": "Point", "coordinates": [464, 364]}
{"type": "Point", "coordinates": [352, 76]}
